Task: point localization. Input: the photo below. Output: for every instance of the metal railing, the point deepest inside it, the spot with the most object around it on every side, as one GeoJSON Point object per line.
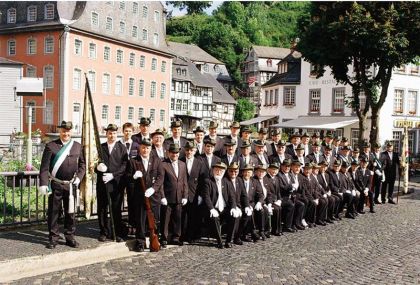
{"type": "Point", "coordinates": [21, 204]}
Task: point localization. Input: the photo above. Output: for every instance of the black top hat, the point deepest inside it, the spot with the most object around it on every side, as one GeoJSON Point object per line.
{"type": "Point", "coordinates": [112, 127]}
{"type": "Point", "coordinates": [246, 129]}
{"type": "Point", "coordinates": [174, 147]}
{"type": "Point", "coordinates": [366, 145]}
{"type": "Point", "coordinates": [219, 165]}
{"type": "Point", "coordinates": [157, 132]}
{"type": "Point", "coordinates": [176, 124]}
{"type": "Point", "coordinates": [275, 165]}
{"type": "Point", "coordinates": [230, 142]}
{"type": "Point", "coordinates": [281, 143]}
{"type": "Point", "coordinates": [235, 125]}
{"type": "Point", "coordinates": [199, 129]}
{"type": "Point", "coordinates": [190, 145]}
{"type": "Point", "coordinates": [210, 141]}
{"type": "Point", "coordinates": [258, 143]}
{"type": "Point", "coordinates": [146, 141]}
{"type": "Point", "coordinates": [376, 145]}
{"type": "Point", "coordinates": [263, 131]}
{"type": "Point", "coordinates": [213, 125]}
{"type": "Point", "coordinates": [233, 165]}
{"type": "Point", "coordinates": [287, 162]}
{"type": "Point", "coordinates": [275, 132]}
{"type": "Point", "coordinates": [329, 135]}
{"type": "Point", "coordinates": [66, 125]}
{"type": "Point", "coordinates": [248, 167]}
{"type": "Point", "coordinates": [145, 121]}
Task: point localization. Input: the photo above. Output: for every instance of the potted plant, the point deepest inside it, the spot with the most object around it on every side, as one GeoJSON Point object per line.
{"type": "Point", "coordinates": [20, 138]}
{"type": "Point", "coordinates": [36, 136]}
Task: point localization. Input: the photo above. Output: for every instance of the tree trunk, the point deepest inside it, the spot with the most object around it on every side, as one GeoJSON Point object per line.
{"type": "Point", "coordinates": [374, 127]}
{"type": "Point", "coordinates": [362, 129]}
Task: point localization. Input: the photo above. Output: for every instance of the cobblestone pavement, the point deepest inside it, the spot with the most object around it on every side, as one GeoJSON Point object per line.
{"type": "Point", "coordinates": [381, 248]}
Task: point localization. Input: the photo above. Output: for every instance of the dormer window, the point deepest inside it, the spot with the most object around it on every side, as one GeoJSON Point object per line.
{"type": "Point", "coordinates": [178, 71]}
{"type": "Point", "coordinates": [206, 67]}
{"type": "Point", "coordinates": [184, 72]}
{"type": "Point", "coordinates": [314, 69]}
{"type": "Point", "coordinates": [11, 16]}
{"type": "Point", "coordinates": [31, 13]}
{"type": "Point", "coordinates": [217, 68]}
{"type": "Point", "coordinates": [269, 63]}
{"type": "Point", "coordinates": [49, 12]}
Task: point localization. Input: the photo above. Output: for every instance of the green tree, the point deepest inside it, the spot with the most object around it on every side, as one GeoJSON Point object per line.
{"type": "Point", "coordinates": [192, 7]}
{"type": "Point", "coordinates": [245, 110]}
{"type": "Point", "coordinates": [368, 38]}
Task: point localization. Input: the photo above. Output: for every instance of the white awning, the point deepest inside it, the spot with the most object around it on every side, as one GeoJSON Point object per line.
{"type": "Point", "coordinates": [256, 120]}
{"type": "Point", "coordinates": [28, 86]}
{"type": "Point", "coordinates": [322, 123]}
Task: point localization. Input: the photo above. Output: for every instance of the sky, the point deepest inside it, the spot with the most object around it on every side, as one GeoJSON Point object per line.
{"type": "Point", "coordinates": [177, 12]}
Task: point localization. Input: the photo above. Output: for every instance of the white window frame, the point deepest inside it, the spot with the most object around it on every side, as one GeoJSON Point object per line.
{"type": "Point", "coordinates": [122, 5]}
{"type": "Point", "coordinates": [156, 39]}
{"type": "Point", "coordinates": [94, 20]}
{"type": "Point", "coordinates": [145, 35]}
{"type": "Point", "coordinates": [31, 14]}
{"type": "Point", "coordinates": [141, 88]}
{"type": "Point", "coordinates": [107, 53]}
{"type": "Point", "coordinates": [135, 8]}
{"type": "Point", "coordinates": [76, 42]}
{"type": "Point", "coordinates": [140, 113]}
{"type": "Point", "coordinates": [122, 27]}
{"type": "Point", "coordinates": [339, 96]}
{"type": "Point", "coordinates": [77, 79]}
{"type": "Point", "coordinates": [398, 105]}
{"type": "Point", "coordinates": [315, 101]}
{"type": "Point", "coordinates": [31, 71]}
{"type": "Point", "coordinates": [289, 96]}
{"type": "Point", "coordinates": [130, 113]}
{"type": "Point", "coordinates": [109, 25]}
{"type": "Point", "coordinates": [106, 83]}
{"type": "Point", "coordinates": [154, 64]}
{"type": "Point", "coordinates": [118, 113]}
{"type": "Point", "coordinates": [162, 90]}
{"type": "Point", "coordinates": [120, 56]}
{"type": "Point", "coordinates": [145, 11]}
{"type": "Point", "coordinates": [48, 45]}
{"type": "Point", "coordinates": [163, 66]}
{"type": "Point", "coordinates": [48, 76]}
{"type": "Point", "coordinates": [49, 11]}
{"type": "Point", "coordinates": [11, 46]}
{"type": "Point", "coordinates": [31, 49]}
{"type": "Point", "coordinates": [412, 102]}
{"type": "Point", "coordinates": [48, 116]}
{"type": "Point", "coordinates": [156, 16]}
{"type": "Point", "coordinates": [152, 114]}
{"type": "Point", "coordinates": [91, 75]}
{"type": "Point", "coordinates": [135, 32]}
{"type": "Point", "coordinates": [105, 113]}
{"type": "Point", "coordinates": [118, 85]}
{"type": "Point", "coordinates": [11, 16]}
{"type": "Point", "coordinates": [132, 59]}
{"type": "Point", "coordinates": [142, 61]}
{"type": "Point", "coordinates": [153, 87]}
{"type": "Point", "coordinates": [131, 86]}
{"type": "Point", "coordinates": [162, 115]}
{"type": "Point", "coordinates": [92, 51]}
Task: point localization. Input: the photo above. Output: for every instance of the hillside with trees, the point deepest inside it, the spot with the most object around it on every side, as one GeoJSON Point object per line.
{"type": "Point", "coordinates": [235, 26]}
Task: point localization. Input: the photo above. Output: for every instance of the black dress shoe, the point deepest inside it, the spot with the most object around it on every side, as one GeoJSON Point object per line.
{"type": "Point", "coordinates": [246, 239]}
{"type": "Point", "coordinates": [220, 245]}
{"type": "Point", "coordinates": [119, 239]}
{"type": "Point", "coordinates": [139, 247]}
{"type": "Point", "coordinates": [289, 230]}
{"type": "Point", "coordinates": [163, 244]}
{"type": "Point", "coordinates": [390, 201]}
{"type": "Point", "coordinates": [349, 216]}
{"type": "Point", "coordinates": [102, 238]}
{"type": "Point", "coordinates": [277, 234]}
{"type": "Point", "coordinates": [267, 234]}
{"type": "Point", "coordinates": [361, 212]}
{"type": "Point", "coordinates": [372, 211]}
{"type": "Point", "coordinates": [228, 245]}
{"type": "Point", "coordinates": [329, 221]}
{"type": "Point", "coordinates": [262, 236]}
{"type": "Point", "coordinates": [320, 223]}
{"type": "Point", "coordinates": [334, 219]}
{"type": "Point", "coordinates": [238, 242]}
{"type": "Point", "coordinates": [299, 227]}
{"type": "Point", "coordinates": [51, 244]}
{"type": "Point", "coordinates": [72, 243]}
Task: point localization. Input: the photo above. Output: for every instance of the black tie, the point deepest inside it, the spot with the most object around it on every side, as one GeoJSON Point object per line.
{"type": "Point", "coordinates": [127, 145]}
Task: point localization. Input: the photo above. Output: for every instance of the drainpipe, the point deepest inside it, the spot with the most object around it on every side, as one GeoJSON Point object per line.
{"type": "Point", "coordinates": [64, 80]}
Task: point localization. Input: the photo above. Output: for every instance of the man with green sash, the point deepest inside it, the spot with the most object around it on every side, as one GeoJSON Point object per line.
{"type": "Point", "coordinates": [62, 168]}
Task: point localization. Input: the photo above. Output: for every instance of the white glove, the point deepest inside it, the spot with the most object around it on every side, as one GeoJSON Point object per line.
{"type": "Point", "coordinates": [248, 211]}
{"type": "Point", "coordinates": [295, 186]}
{"type": "Point", "coordinates": [375, 164]}
{"type": "Point", "coordinates": [184, 201]}
{"type": "Point", "coordinates": [325, 195]}
{"type": "Point", "coordinates": [341, 194]}
{"type": "Point", "coordinates": [377, 172]}
{"type": "Point", "coordinates": [383, 178]}
{"type": "Point", "coordinates": [316, 201]}
{"type": "Point", "coordinates": [270, 209]}
{"type": "Point", "coordinates": [107, 177]}
{"type": "Point", "coordinates": [353, 192]}
{"type": "Point", "coordinates": [164, 202]}
{"type": "Point", "coordinates": [214, 213]}
{"type": "Point", "coordinates": [76, 182]}
{"type": "Point", "coordinates": [102, 167]}
{"type": "Point", "coordinates": [199, 200]}
{"type": "Point", "coordinates": [366, 191]}
{"type": "Point", "coordinates": [137, 174]}
{"type": "Point", "coordinates": [258, 206]}
{"type": "Point", "coordinates": [348, 191]}
{"type": "Point", "coordinates": [239, 211]}
{"type": "Point", "coordinates": [329, 193]}
{"type": "Point", "coordinates": [278, 203]}
{"type": "Point", "coordinates": [233, 213]}
{"type": "Point", "coordinates": [44, 190]}
{"type": "Point", "coordinates": [149, 192]}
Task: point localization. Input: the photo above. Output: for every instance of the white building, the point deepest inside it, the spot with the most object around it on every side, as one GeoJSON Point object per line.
{"type": "Point", "coordinates": [10, 119]}
{"type": "Point", "coordinates": [295, 99]}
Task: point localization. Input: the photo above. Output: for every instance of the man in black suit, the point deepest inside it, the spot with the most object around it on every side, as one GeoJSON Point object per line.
{"type": "Point", "coordinates": [305, 144]}
{"type": "Point", "coordinates": [220, 201]}
{"type": "Point", "coordinates": [279, 156]}
{"type": "Point", "coordinates": [333, 201]}
{"type": "Point", "coordinates": [275, 139]}
{"type": "Point", "coordinates": [315, 156]}
{"type": "Point", "coordinates": [392, 166]}
{"type": "Point", "coordinates": [347, 191]}
{"type": "Point", "coordinates": [335, 187]}
{"type": "Point", "coordinates": [245, 136]}
{"type": "Point", "coordinates": [298, 194]}
{"type": "Point", "coordinates": [327, 141]}
{"type": "Point", "coordinates": [176, 129]}
{"type": "Point", "coordinates": [355, 153]}
{"type": "Point", "coordinates": [158, 137]}
{"type": "Point", "coordinates": [191, 212]}
{"type": "Point", "coordinates": [218, 147]}
{"type": "Point", "coordinates": [363, 182]}
{"type": "Point", "coordinates": [260, 155]}
{"type": "Point", "coordinates": [230, 152]}
{"type": "Point", "coordinates": [208, 158]}
{"type": "Point", "coordinates": [300, 154]}
{"type": "Point", "coordinates": [132, 148]}
{"type": "Point", "coordinates": [343, 154]}
{"type": "Point", "coordinates": [246, 157]}
{"type": "Point", "coordinates": [272, 171]}
{"type": "Point", "coordinates": [144, 126]}
{"type": "Point", "coordinates": [199, 140]}
{"type": "Point", "coordinates": [255, 195]}
{"type": "Point", "coordinates": [262, 138]}
{"type": "Point", "coordinates": [321, 195]}
{"type": "Point", "coordinates": [308, 195]}
{"type": "Point", "coordinates": [172, 176]}
{"type": "Point", "coordinates": [62, 164]}
{"type": "Point", "coordinates": [294, 141]}
{"type": "Point", "coordinates": [111, 172]}
{"type": "Point", "coordinates": [144, 166]}
{"type": "Point", "coordinates": [327, 156]}
{"type": "Point", "coordinates": [234, 134]}
{"type": "Point", "coordinates": [290, 208]}
{"type": "Point", "coordinates": [242, 202]}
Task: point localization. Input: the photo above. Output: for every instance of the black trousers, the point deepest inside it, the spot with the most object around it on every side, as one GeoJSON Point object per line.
{"type": "Point", "coordinates": [243, 226]}
{"type": "Point", "coordinates": [377, 182]}
{"type": "Point", "coordinates": [309, 213]}
{"type": "Point", "coordinates": [387, 185]}
{"type": "Point", "coordinates": [131, 203]}
{"type": "Point", "coordinates": [261, 218]}
{"type": "Point", "coordinates": [362, 199]}
{"type": "Point", "coordinates": [102, 205]}
{"type": "Point", "coordinates": [333, 203]}
{"type": "Point", "coordinates": [339, 205]}
{"type": "Point", "coordinates": [298, 212]}
{"type": "Point", "coordinates": [58, 197]}
{"type": "Point", "coordinates": [347, 200]}
{"type": "Point", "coordinates": [287, 211]}
{"type": "Point", "coordinates": [276, 220]}
{"type": "Point", "coordinates": [321, 210]}
{"type": "Point", "coordinates": [173, 213]}
{"type": "Point", "coordinates": [190, 221]}
{"type": "Point", "coordinates": [140, 215]}
{"type": "Point", "coordinates": [227, 221]}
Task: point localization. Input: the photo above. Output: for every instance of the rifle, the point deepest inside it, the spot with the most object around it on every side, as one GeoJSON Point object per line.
{"type": "Point", "coordinates": [399, 181]}
{"type": "Point", "coordinates": [153, 238]}
{"type": "Point", "coordinates": [101, 155]}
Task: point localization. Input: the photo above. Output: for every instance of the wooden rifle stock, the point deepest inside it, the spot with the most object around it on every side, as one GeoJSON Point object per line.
{"type": "Point", "coordinates": [153, 238]}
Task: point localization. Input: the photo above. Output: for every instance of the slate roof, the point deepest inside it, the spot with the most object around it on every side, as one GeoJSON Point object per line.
{"type": "Point", "coordinates": [292, 76]}
{"type": "Point", "coordinates": [271, 52]}
{"type": "Point", "coordinates": [220, 95]}
{"type": "Point", "coordinates": [6, 61]}
{"type": "Point", "coordinates": [193, 52]}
